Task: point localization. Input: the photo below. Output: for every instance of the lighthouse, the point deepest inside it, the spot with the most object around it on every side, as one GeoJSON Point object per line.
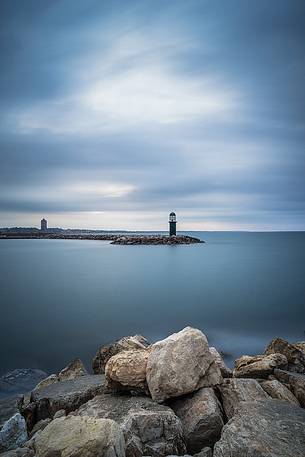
{"type": "Point", "coordinates": [172, 224]}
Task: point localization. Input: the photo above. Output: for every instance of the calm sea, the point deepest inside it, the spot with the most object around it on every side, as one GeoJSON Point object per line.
{"type": "Point", "coordinates": [61, 299]}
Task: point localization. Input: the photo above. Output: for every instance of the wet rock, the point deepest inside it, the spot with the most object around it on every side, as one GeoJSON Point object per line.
{"type": "Point", "coordinates": [225, 371]}
{"type": "Point", "coordinates": [127, 371]}
{"type": "Point", "coordinates": [13, 433]}
{"type": "Point", "coordinates": [67, 395]}
{"type": "Point", "coordinates": [278, 390]}
{"type": "Point", "coordinates": [234, 392]}
{"type": "Point", "coordinates": [124, 344]}
{"type": "Point", "coordinates": [72, 371]}
{"type": "Point", "coordinates": [180, 364]}
{"type": "Point", "coordinates": [20, 381]}
{"type": "Point", "coordinates": [74, 436]}
{"type": "Point", "coordinates": [296, 383]}
{"type": "Point", "coordinates": [293, 352]}
{"type": "Point", "coordinates": [149, 428]}
{"type": "Point", "coordinates": [201, 417]}
{"type": "Point", "coordinates": [259, 366]}
{"type": "Point", "coordinates": [272, 428]}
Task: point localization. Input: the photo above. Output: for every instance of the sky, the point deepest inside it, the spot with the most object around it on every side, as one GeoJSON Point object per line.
{"type": "Point", "coordinates": [115, 113]}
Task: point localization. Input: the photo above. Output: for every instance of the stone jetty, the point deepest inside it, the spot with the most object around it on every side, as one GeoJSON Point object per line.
{"type": "Point", "coordinates": [175, 397]}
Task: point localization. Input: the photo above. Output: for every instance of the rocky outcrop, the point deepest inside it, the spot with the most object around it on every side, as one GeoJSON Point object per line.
{"type": "Point", "coordinates": [180, 364]}
{"type": "Point", "coordinates": [127, 371]}
{"type": "Point", "coordinates": [278, 390]}
{"type": "Point", "coordinates": [264, 429]}
{"type": "Point", "coordinates": [13, 433]}
{"type": "Point", "coordinates": [296, 383]}
{"type": "Point", "coordinates": [76, 436]}
{"type": "Point", "coordinates": [293, 352]}
{"type": "Point", "coordinates": [259, 366]}
{"type": "Point", "coordinates": [107, 351]}
{"type": "Point", "coordinates": [149, 428]}
{"type": "Point", "coordinates": [155, 239]}
{"type": "Point", "coordinates": [201, 418]}
{"type": "Point", "coordinates": [226, 372]}
{"type": "Point", "coordinates": [68, 395]}
{"type": "Point", "coordinates": [235, 392]}
{"type": "Point", "coordinates": [20, 381]}
{"type": "Point", "coordinates": [73, 370]}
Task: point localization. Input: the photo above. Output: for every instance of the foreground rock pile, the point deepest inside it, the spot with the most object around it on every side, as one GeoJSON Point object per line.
{"type": "Point", "coordinates": [173, 397]}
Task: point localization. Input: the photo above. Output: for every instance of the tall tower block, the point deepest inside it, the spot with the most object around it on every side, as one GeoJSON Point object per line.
{"type": "Point", "coordinates": [43, 225]}
{"type": "Point", "coordinates": [172, 224]}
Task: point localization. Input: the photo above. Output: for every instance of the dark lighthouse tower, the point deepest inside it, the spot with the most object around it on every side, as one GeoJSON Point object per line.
{"type": "Point", "coordinates": [172, 224]}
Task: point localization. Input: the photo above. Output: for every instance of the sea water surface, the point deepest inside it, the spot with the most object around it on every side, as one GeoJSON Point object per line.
{"type": "Point", "coordinates": [61, 299]}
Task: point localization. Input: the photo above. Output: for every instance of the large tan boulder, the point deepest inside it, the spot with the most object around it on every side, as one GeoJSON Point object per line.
{"type": "Point", "coordinates": [149, 428]}
{"type": "Point", "coordinates": [294, 353]}
{"type": "Point", "coordinates": [258, 366]}
{"type": "Point", "coordinates": [235, 392]}
{"type": "Point", "coordinates": [270, 428]}
{"type": "Point", "coordinates": [201, 417]}
{"type": "Point", "coordinates": [276, 389]}
{"type": "Point", "coordinates": [76, 436]}
{"type": "Point", "coordinates": [127, 370]}
{"type": "Point", "coordinates": [107, 351]}
{"type": "Point", "coordinates": [180, 364]}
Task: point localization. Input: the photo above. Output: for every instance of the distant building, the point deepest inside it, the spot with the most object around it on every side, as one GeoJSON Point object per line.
{"type": "Point", "coordinates": [43, 224]}
{"type": "Point", "coordinates": [172, 224]}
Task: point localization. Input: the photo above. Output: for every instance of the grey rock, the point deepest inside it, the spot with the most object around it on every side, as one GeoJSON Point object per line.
{"type": "Point", "coordinates": [67, 395]}
{"type": "Point", "coordinates": [107, 351]}
{"type": "Point", "coordinates": [76, 436]}
{"type": "Point", "coordinates": [201, 417]}
{"type": "Point", "coordinates": [19, 452]}
{"type": "Point", "coordinates": [259, 366]}
{"type": "Point", "coordinates": [51, 379]}
{"type": "Point", "coordinates": [180, 364]}
{"type": "Point", "coordinates": [276, 389]}
{"type": "Point", "coordinates": [205, 452]}
{"type": "Point", "coordinates": [72, 371]}
{"type": "Point", "coordinates": [234, 392]}
{"type": "Point", "coordinates": [226, 372]}
{"type": "Point", "coordinates": [20, 381]}
{"type": "Point", "coordinates": [149, 428]}
{"type": "Point", "coordinates": [40, 425]}
{"type": "Point", "coordinates": [60, 413]}
{"type": "Point", "coordinates": [270, 428]}
{"type": "Point", "coordinates": [293, 352]}
{"type": "Point", "coordinates": [13, 433]}
{"type": "Point", "coordinates": [296, 383]}
{"type": "Point", "coordinates": [8, 407]}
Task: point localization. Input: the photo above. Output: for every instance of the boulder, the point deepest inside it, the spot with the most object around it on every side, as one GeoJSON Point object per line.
{"type": "Point", "coordinates": [19, 452]}
{"type": "Point", "coordinates": [20, 381]}
{"type": "Point", "coordinates": [127, 371]}
{"type": "Point", "coordinates": [272, 428]}
{"type": "Point", "coordinates": [72, 371]}
{"type": "Point", "coordinates": [276, 389]}
{"type": "Point", "coordinates": [225, 371]}
{"type": "Point", "coordinates": [293, 352]}
{"type": "Point", "coordinates": [149, 428]}
{"type": "Point", "coordinates": [13, 433]}
{"type": "Point", "coordinates": [234, 392]}
{"type": "Point", "coordinates": [180, 364]}
{"type": "Point", "coordinates": [68, 395]}
{"type": "Point", "coordinates": [296, 383]}
{"type": "Point", "coordinates": [40, 425]}
{"type": "Point", "coordinates": [124, 344]}
{"type": "Point", "coordinates": [51, 379]}
{"type": "Point", "coordinates": [201, 417]}
{"type": "Point", "coordinates": [8, 407]}
{"type": "Point", "coordinates": [259, 366]}
{"type": "Point", "coordinates": [76, 436]}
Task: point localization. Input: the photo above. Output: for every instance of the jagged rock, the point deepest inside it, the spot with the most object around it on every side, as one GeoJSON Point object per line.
{"type": "Point", "coordinates": [60, 413]}
{"type": "Point", "coordinates": [9, 407]}
{"type": "Point", "coordinates": [258, 366]}
{"type": "Point", "coordinates": [235, 391]}
{"type": "Point", "coordinates": [276, 389]}
{"type": "Point", "coordinates": [201, 417]}
{"type": "Point", "coordinates": [76, 436]}
{"type": "Point", "coordinates": [225, 371]}
{"type": "Point", "coordinates": [19, 452]}
{"type": "Point", "coordinates": [52, 379]}
{"type": "Point", "coordinates": [72, 371]}
{"type": "Point", "coordinates": [67, 395]}
{"type": "Point", "coordinates": [301, 346]}
{"type": "Point", "coordinates": [180, 364]}
{"type": "Point", "coordinates": [40, 425]}
{"type": "Point", "coordinates": [149, 428]}
{"type": "Point", "coordinates": [272, 428]}
{"type": "Point", "coordinates": [296, 383]}
{"type": "Point", "coordinates": [127, 370]}
{"type": "Point", "coordinates": [124, 344]}
{"type": "Point", "coordinates": [13, 433]}
{"type": "Point", "coordinates": [20, 381]}
{"type": "Point", "coordinates": [293, 352]}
